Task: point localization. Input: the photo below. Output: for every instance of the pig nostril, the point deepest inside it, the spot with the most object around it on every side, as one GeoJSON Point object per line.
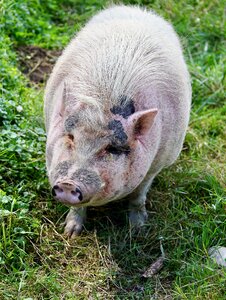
{"type": "Point", "coordinates": [56, 189]}
{"type": "Point", "coordinates": [80, 197]}
{"type": "Point", "coordinates": [77, 191]}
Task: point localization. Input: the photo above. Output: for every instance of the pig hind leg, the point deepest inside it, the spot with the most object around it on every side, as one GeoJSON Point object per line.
{"type": "Point", "coordinates": [137, 199]}
{"type": "Point", "coordinates": [74, 221]}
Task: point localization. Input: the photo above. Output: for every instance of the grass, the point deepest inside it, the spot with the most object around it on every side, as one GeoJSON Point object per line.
{"type": "Point", "coordinates": [187, 201]}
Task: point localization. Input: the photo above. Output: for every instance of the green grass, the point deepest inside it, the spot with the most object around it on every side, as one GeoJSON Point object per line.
{"type": "Point", "coordinates": [187, 201]}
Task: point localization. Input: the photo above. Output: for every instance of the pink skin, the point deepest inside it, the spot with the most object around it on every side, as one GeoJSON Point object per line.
{"type": "Point", "coordinates": [123, 175]}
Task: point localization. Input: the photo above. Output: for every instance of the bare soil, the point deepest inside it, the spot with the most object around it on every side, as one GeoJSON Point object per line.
{"type": "Point", "coordinates": [37, 63]}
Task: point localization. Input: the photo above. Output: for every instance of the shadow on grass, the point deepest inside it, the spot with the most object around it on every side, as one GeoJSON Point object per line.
{"type": "Point", "coordinates": [129, 253]}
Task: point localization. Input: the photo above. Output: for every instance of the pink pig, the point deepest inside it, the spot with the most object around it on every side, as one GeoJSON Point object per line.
{"type": "Point", "coordinates": [116, 111]}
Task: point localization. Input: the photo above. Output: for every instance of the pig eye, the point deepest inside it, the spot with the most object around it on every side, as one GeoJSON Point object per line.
{"type": "Point", "coordinates": [71, 137]}
{"type": "Point", "coordinates": [69, 141]}
{"type": "Point", "coordinates": [117, 150]}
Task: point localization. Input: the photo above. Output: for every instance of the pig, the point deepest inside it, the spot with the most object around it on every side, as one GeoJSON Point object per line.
{"type": "Point", "coordinates": [116, 112]}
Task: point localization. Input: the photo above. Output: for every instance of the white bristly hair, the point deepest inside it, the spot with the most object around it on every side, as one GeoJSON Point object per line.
{"type": "Point", "coordinates": [121, 51]}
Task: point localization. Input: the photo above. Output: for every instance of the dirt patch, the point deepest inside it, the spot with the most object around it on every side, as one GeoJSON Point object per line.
{"type": "Point", "coordinates": [37, 63]}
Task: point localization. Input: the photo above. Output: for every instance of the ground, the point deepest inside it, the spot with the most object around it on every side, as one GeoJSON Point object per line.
{"type": "Point", "coordinates": [186, 204]}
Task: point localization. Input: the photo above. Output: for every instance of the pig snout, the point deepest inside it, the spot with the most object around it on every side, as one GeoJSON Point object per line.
{"type": "Point", "coordinates": [67, 193]}
{"type": "Point", "coordinates": [79, 187]}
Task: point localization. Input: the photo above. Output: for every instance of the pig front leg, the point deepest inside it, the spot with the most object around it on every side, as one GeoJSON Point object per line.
{"type": "Point", "coordinates": [137, 211]}
{"type": "Point", "coordinates": [137, 200]}
{"type": "Point", "coordinates": [74, 221]}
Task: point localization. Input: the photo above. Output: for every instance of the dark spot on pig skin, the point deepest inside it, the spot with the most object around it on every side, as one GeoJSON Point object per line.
{"type": "Point", "coordinates": [87, 177]}
{"type": "Point", "coordinates": [62, 169]}
{"type": "Point", "coordinates": [119, 137]}
{"type": "Point", "coordinates": [70, 123]}
{"type": "Point", "coordinates": [125, 108]}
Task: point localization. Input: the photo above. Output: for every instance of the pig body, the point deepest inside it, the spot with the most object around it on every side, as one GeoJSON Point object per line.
{"type": "Point", "coordinates": [116, 111]}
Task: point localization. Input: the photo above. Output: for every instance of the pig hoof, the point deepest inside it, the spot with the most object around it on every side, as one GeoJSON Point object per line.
{"type": "Point", "coordinates": [72, 228]}
{"type": "Point", "coordinates": [74, 222]}
{"type": "Point", "coordinates": [137, 218]}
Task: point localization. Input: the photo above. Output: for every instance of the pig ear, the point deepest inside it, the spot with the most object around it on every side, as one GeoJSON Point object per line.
{"type": "Point", "coordinates": [142, 121]}
{"type": "Point", "coordinates": [59, 99]}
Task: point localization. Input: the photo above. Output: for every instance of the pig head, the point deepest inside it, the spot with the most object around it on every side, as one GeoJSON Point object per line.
{"type": "Point", "coordinates": [95, 157]}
